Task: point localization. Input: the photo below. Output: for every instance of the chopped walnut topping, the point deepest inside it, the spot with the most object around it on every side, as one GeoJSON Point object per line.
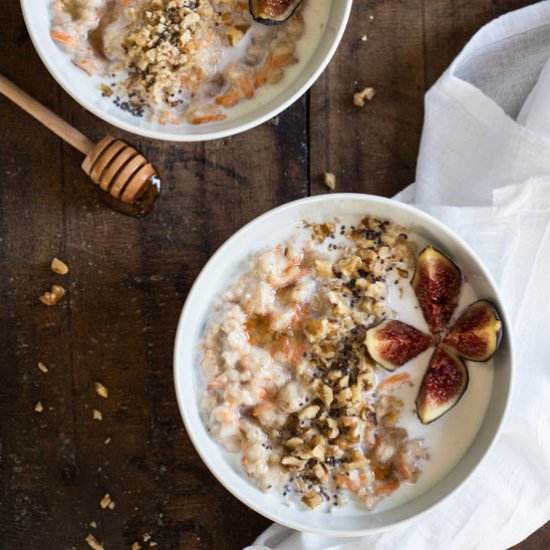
{"type": "Point", "coordinates": [330, 180]}
{"type": "Point", "coordinates": [101, 390]}
{"type": "Point", "coordinates": [93, 543]}
{"type": "Point", "coordinates": [323, 230]}
{"type": "Point", "coordinates": [312, 498]}
{"type": "Point", "coordinates": [51, 298]}
{"type": "Point", "coordinates": [59, 267]}
{"type": "Point", "coordinates": [360, 98]}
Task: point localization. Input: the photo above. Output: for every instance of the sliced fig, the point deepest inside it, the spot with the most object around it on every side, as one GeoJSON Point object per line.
{"type": "Point", "coordinates": [476, 334]}
{"type": "Point", "coordinates": [437, 282]}
{"type": "Point", "coordinates": [444, 383]}
{"type": "Point", "coordinates": [272, 12]}
{"type": "Point", "coordinates": [393, 343]}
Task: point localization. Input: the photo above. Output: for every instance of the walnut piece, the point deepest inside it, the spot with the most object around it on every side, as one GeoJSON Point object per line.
{"type": "Point", "coordinates": [105, 501]}
{"type": "Point", "coordinates": [360, 98]}
{"type": "Point", "coordinates": [51, 298]}
{"type": "Point", "coordinates": [93, 543]}
{"type": "Point", "coordinates": [59, 267]}
{"type": "Point", "coordinates": [42, 367]}
{"type": "Point", "coordinates": [97, 415]}
{"type": "Point", "coordinates": [101, 390]}
{"type": "Point", "coordinates": [312, 498]}
{"type": "Point", "coordinates": [38, 407]}
{"type": "Point", "coordinates": [330, 180]}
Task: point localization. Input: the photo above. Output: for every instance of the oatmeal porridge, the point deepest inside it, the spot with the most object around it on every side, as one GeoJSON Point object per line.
{"type": "Point", "coordinates": [179, 61]}
{"type": "Point", "coordinates": [290, 385]}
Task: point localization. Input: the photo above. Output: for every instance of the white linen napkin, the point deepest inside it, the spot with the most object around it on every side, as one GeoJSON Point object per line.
{"type": "Point", "coordinates": [484, 170]}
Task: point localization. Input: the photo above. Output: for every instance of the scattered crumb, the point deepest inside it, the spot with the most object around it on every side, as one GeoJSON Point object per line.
{"type": "Point", "coordinates": [364, 38]}
{"type": "Point", "coordinates": [371, 17]}
{"type": "Point", "coordinates": [101, 390]}
{"type": "Point", "coordinates": [360, 98]}
{"type": "Point", "coordinates": [42, 367]}
{"type": "Point", "coordinates": [106, 502]}
{"type": "Point", "coordinates": [93, 543]}
{"type": "Point", "coordinates": [136, 546]}
{"type": "Point", "coordinates": [59, 267]}
{"type": "Point", "coordinates": [51, 298]}
{"type": "Point", "coordinates": [330, 180]}
{"type": "Point", "coordinates": [97, 415]}
{"type": "Point", "coordinates": [38, 407]}
{"type": "Point", "coordinates": [152, 543]}
{"type": "Point", "coordinates": [93, 524]}
{"type": "Point", "coordinates": [146, 537]}
{"type": "Point", "coordinates": [107, 441]}
{"type": "Point", "coordinates": [274, 121]}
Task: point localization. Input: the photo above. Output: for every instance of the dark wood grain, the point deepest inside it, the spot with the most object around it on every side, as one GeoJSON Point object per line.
{"type": "Point", "coordinates": [129, 278]}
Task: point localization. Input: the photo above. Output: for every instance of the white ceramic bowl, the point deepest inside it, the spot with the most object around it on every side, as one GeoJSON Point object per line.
{"type": "Point", "coordinates": [84, 88]}
{"type": "Point", "coordinates": [221, 271]}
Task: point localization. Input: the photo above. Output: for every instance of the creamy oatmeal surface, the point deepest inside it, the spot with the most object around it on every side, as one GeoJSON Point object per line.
{"type": "Point", "coordinates": [290, 385]}
{"type": "Point", "coordinates": [176, 60]}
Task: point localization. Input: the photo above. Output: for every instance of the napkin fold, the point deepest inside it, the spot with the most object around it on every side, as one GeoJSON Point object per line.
{"type": "Point", "coordinates": [484, 170]}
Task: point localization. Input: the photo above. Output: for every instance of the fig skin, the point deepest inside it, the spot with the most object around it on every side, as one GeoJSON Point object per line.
{"type": "Point", "coordinates": [443, 385]}
{"type": "Point", "coordinates": [272, 12]}
{"type": "Point", "coordinates": [393, 343]}
{"type": "Point", "coordinates": [437, 283]}
{"type": "Point", "coordinates": [477, 333]}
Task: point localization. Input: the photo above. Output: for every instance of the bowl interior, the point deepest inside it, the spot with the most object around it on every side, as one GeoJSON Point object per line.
{"type": "Point", "coordinates": [222, 269]}
{"type": "Point", "coordinates": [84, 88]}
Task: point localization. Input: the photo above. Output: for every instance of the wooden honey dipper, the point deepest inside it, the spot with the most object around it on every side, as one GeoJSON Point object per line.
{"type": "Point", "coordinates": [112, 164]}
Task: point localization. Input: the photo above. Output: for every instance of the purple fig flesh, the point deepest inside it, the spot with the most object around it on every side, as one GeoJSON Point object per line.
{"type": "Point", "coordinates": [437, 282]}
{"type": "Point", "coordinates": [477, 332]}
{"type": "Point", "coordinates": [444, 383]}
{"type": "Point", "coordinates": [272, 12]}
{"type": "Point", "coordinates": [392, 343]}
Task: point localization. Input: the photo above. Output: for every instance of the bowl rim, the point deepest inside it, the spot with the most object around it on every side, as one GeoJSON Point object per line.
{"type": "Point", "coordinates": [195, 437]}
{"type": "Point", "coordinates": [27, 9]}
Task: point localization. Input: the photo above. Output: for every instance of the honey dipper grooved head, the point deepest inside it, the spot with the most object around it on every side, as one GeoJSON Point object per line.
{"type": "Point", "coordinates": [119, 169]}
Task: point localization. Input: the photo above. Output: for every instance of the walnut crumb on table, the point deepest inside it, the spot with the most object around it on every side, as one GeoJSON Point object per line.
{"type": "Point", "coordinates": [38, 407]}
{"type": "Point", "coordinates": [42, 367]}
{"type": "Point", "coordinates": [97, 415]}
{"type": "Point", "coordinates": [107, 502]}
{"type": "Point", "coordinates": [360, 98]}
{"type": "Point", "coordinates": [101, 390]}
{"type": "Point", "coordinates": [93, 543]}
{"type": "Point", "coordinates": [329, 180]}
{"type": "Point", "coordinates": [59, 267]}
{"type": "Point", "coordinates": [51, 298]}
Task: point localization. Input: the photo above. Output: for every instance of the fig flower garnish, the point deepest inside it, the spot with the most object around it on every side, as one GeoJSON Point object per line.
{"type": "Point", "coordinates": [475, 335]}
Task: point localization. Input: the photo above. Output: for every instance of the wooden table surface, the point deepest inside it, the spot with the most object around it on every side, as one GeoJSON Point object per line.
{"type": "Point", "coordinates": [129, 278]}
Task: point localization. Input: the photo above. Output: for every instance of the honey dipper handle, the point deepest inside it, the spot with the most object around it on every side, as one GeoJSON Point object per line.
{"type": "Point", "coordinates": [57, 125]}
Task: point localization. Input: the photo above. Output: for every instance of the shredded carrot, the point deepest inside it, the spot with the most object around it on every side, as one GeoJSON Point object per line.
{"type": "Point", "coordinates": [387, 489]}
{"type": "Point", "coordinates": [362, 477]}
{"type": "Point", "coordinates": [246, 86]}
{"type": "Point", "coordinates": [259, 81]}
{"type": "Point", "coordinates": [215, 385]}
{"type": "Point", "coordinates": [403, 468]}
{"type": "Point", "coordinates": [263, 407]}
{"type": "Point", "coordinates": [207, 118]}
{"type": "Point", "coordinates": [297, 354]}
{"type": "Point", "coordinates": [393, 381]}
{"type": "Point", "coordinates": [279, 61]}
{"type": "Point", "coordinates": [229, 99]}
{"type": "Point", "coordinates": [343, 480]}
{"type": "Point", "coordinates": [227, 418]}
{"type": "Point", "coordinates": [63, 38]}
